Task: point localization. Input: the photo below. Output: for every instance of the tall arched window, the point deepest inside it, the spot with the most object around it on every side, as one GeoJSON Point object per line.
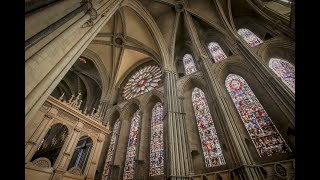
{"type": "Point", "coordinates": [249, 37]}
{"type": "Point", "coordinates": [112, 147]}
{"type": "Point", "coordinates": [216, 52]}
{"type": "Point", "coordinates": [188, 63]}
{"type": "Point", "coordinates": [52, 143]}
{"type": "Point", "coordinates": [263, 133]}
{"type": "Point", "coordinates": [285, 71]}
{"type": "Point", "coordinates": [156, 144]}
{"type": "Point", "coordinates": [210, 143]}
{"type": "Point", "coordinates": [132, 146]}
{"type": "Point", "coordinates": [81, 153]}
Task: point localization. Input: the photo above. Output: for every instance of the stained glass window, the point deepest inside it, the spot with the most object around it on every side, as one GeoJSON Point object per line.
{"type": "Point", "coordinates": [156, 145]}
{"type": "Point", "coordinates": [210, 143]}
{"type": "Point", "coordinates": [216, 52]}
{"type": "Point", "coordinates": [111, 150]}
{"type": "Point", "coordinates": [249, 37]}
{"type": "Point", "coordinates": [132, 147]}
{"type": "Point", "coordinates": [188, 63]}
{"type": "Point", "coordinates": [263, 133]}
{"type": "Point", "coordinates": [144, 80]}
{"type": "Point", "coordinates": [285, 71]}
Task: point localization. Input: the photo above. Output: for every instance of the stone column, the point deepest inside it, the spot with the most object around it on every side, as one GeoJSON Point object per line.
{"type": "Point", "coordinates": [46, 67]}
{"type": "Point", "coordinates": [104, 106]}
{"type": "Point", "coordinates": [140, 161]}
{"type": "Point", "coordinates": [32, 144]}
{"type": "Point", "coordinates": [178, 153]}
{"type": "Point", "coordinates": [285, 98]}
{"type": "Point", "coordinates": [238, 149]}
{"type": "Point", "coordinates": [95, 158]}
{"type": "Point", "coordinates": [65, 156]}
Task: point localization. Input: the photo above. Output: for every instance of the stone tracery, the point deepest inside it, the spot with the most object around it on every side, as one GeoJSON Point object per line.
{"type": "Point", "coordinates": [259, 125]}
{"type": "Point", "coordinates": [144, 80]}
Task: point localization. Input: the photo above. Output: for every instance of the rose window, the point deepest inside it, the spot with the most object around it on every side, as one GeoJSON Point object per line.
{"type": "Point", "coordinates": [142, 81]}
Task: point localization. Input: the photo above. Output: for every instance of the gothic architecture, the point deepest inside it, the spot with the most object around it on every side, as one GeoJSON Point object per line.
{"type": "Point", "coordinates": [160, 89]}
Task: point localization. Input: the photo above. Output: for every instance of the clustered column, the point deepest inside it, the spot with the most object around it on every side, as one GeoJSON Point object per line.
{"type": "Point", "coordinates": [241, 155]}
{"type": "Point", "coordinates": [178, 156]}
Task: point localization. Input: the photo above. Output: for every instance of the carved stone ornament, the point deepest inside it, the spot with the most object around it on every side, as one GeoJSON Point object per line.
{"type": "Point", "coordinates": [179, 6]}
{"type": "Point", "coordinates": [280, 170]}
{"type": "Point", "coordinates": [119, 41]}
{"type": "Point", "coordinates": [75, 171]}
{"type": "Point", "coordinates": [92, 13]}
{"type": "Point", "coordinates": [42, 162]}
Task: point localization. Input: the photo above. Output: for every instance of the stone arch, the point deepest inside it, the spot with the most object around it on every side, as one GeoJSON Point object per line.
{"type": "Point", "coordinates": [278, 48]}
{"type": "Point", "coordinates": [113, 116]}
{"type": "Point", "coordinates": [155, 31]}
{"type": "Point", "coordinates": [135, 67]}
{"type": "Point", "coordinates": [148, 104]}
{"type": "Point", "coordinates": [148, 97]}
{"type": "Point", "coordinates": [188, 81]}
{"type": "Point", "coordinates": [268, 102]}
{"type": "Point", "coordinates": [125, 119]}
{"type": "Point", "coordinates": [105, 79]}
{"type": "Point", "coordinates": [128, 106]}
{"type": "Point", "coordinates": [180, 51]}
{"type": "Point", "coordinates": [256, 24]}
{"type": "Point", "coordinates": [94, 143]}
{"type": "Point", "coordinates": [194, 140]}
{"type": "Point", "coordinates": [53, 162]}
{"type": "Point", "coordinates": [132, 70]}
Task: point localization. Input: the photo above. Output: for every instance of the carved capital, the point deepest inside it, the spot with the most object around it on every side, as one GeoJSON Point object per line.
{"type": "Point", "coordinates": [77, 129]}
{"type": "Point", "coordinates": [179, 6]}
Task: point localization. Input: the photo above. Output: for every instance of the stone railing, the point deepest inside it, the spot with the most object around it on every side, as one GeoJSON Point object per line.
{"type": "Point", "coordinates": [75, 103]}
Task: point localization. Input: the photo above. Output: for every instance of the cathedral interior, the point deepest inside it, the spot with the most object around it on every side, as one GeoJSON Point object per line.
{"type": "Point", "coordinates": [160, 89]}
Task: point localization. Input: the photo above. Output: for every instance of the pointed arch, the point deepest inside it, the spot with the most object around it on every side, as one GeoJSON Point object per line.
{"type": "Point", "coordinates": [129, 166]}
{"type": "Point", "coordinates": [51, 145]}
{"type": "Point", "coordinates": [156, 143]}
{"type": "Point", "coordinates": [249, 37]}
{"type": "Point", "coordinates": [188, 64]}
{"type": "Point", "coordinates": [209, 140]}
{"type": "Point", "coordinates": [111, 151]}
{"type": "Point", "coordinates": [265, 136]}
{"type": "Point", "coordinates": [81, 154]}
{"type": "Point", "coordinates": [216, 52]}
{"type": "Point", "coordinates": [284, 70]}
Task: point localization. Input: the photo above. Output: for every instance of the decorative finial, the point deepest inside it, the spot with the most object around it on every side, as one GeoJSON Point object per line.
{"type": "Point", "coordinates": [71, 98]}
{"type": "Point", "coordinates": [61, 97]}
{"type": "Point", "coordinates": [85, 111]}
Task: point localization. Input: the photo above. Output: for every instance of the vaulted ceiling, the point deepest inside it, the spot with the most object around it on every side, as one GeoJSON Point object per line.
{"type": "Point", "coordinates": [126, 40]}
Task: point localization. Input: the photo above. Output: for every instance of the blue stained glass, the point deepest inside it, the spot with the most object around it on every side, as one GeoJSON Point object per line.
{"type": "Point", "coordinates": [210, 143]}
{"type": "Point", "coordinates": [263, 133]}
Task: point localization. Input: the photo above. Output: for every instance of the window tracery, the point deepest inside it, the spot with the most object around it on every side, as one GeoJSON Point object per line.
{"type": "Point", "coordinates": [156, 145]}
{"type": "Point", "coordinates": [209, 140]}
{"type": "Point", "coordinates": [249, 37]}
{"type": "Point", "coordinates": [284, 70]}
{"type": "Point", "coordinates": [216, 52]}
{"type": "Point", "coordinates": [188, 64]}
{"type": "Point", "coordinates": [263, 133]}
{"type": "Point", "coordinates": [129, 166]}
{"type": "Point", "coordinates": [111, 150]}
{"type": "Point", "coordinates": [144, 80]}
